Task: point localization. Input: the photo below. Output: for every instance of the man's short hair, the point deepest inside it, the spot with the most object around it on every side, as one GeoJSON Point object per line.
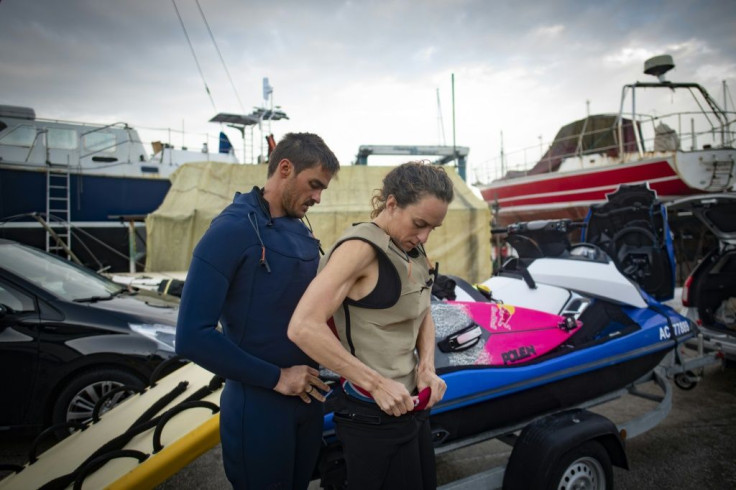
{"type": "Point", "coordinates": [303, 150]}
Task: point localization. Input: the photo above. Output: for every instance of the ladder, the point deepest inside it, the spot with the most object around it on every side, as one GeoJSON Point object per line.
{"type": "Point", "coordinates": [248, 145]}
{"type": "Point", "coordinates": [721, 176]}
{"type": "Point", "coordinates": [58, 209]}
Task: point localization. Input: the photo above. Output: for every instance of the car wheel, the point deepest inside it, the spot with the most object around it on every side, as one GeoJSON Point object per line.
{"type": "Point", "coordinates": [77, 400]}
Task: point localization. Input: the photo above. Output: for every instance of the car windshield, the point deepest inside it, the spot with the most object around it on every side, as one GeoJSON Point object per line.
{"type": "Point", "coordinates": [56, 275]}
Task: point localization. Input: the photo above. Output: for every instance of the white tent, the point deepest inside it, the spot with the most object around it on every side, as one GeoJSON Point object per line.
{"type": "Point", "coordinates": [199, 191]}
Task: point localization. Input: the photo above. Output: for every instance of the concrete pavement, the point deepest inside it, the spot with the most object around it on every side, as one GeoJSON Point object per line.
{"type": "Point", "coordinates": [694, 447]}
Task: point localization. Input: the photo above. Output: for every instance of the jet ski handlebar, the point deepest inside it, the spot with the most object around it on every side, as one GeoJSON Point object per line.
{"type": "Point", "coordinates": [540, 238]}
{"type": "Point", "coordinates": [540, 226]}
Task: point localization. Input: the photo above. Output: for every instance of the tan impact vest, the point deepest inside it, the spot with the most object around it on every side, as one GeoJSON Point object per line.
{"type": "Point", "coordinates": [384, 337]}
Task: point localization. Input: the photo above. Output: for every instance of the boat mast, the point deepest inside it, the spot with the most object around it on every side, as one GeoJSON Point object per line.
{"type": "Point", "coordinates": [503, 164]}
{"type": "Point", "coordinates": [440, 123]}
{"type": "Point", "coordinates": [267, 97]}
{"type": "Point", "coordinates": [460, 162]}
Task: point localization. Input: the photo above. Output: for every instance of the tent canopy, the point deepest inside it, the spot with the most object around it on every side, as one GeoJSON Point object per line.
{"type": "Point", "coordinates": [199, 191]}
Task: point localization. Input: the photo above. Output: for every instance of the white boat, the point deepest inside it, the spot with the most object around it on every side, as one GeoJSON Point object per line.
{"type": "Point", "coordinates": [89, 184]}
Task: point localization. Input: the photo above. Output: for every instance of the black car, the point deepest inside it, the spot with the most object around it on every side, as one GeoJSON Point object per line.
{"type": "Point", "coordinates": [709, 291]}
{"type": "Point", "coordinates": [68, 336]}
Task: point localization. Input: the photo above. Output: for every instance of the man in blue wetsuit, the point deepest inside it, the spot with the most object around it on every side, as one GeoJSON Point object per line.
{"type": "Point", "coordinates": [248, 272]}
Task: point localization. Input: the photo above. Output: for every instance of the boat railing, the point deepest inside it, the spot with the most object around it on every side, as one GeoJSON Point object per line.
{"type": "Point", "coordinates": [246, 148]}
{"type": "Point", "coordinates": [131, 141]}
{"type": "Point", "coordinates": [682, 131]}
{"type": "Point", "coordinates": [92, 126]}
{"type": "Point", "coordinates": [156, 139]}
{"type": "Point", "coordinates": [694, 130]}
{"type": "Point", "coordinates": [164, 135]}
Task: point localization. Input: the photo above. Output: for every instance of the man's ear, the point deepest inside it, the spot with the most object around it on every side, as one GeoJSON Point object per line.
{"type": "Point", "coordinates": [285, 167]}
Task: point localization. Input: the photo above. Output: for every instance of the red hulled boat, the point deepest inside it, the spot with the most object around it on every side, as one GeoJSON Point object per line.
{"type": "Point", "coordinates": [591, 157]}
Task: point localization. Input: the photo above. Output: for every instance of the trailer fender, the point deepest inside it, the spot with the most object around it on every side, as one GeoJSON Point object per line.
{"type": "Point", "coordinates": [541, 444]}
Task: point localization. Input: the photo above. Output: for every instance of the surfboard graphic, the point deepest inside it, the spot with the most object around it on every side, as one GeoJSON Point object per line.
{"type": "Point", "coordinates": [517, 334]}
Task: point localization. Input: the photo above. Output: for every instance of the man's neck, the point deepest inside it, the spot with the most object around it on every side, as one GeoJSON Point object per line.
{"type": "Point", "coordinates": [272, 195]}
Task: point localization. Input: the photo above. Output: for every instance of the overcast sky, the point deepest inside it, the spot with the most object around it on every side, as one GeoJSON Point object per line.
{"type": "Point", "coordinates": [357, 72]}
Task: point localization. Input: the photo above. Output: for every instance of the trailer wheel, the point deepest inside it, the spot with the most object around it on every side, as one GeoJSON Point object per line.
{"type": "Point", "coordinates": [586, 467]}
{"type": "Point", "coordinates": [686, 381]}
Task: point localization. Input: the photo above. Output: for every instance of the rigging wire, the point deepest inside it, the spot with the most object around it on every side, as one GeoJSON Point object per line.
{"type": "Point", "coordinates": [196, 61]}
{"type": "Point", "coordinates": [220, 55]}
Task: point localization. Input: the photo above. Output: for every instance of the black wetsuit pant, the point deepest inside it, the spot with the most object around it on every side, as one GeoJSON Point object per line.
{"type": "Point", "coordinates": [382, 451]}
{"type": "Point", "coordinates": [269, 441]}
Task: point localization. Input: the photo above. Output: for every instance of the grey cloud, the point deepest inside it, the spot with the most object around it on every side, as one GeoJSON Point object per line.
{"type": "Point", "coordinates": [130, 59]}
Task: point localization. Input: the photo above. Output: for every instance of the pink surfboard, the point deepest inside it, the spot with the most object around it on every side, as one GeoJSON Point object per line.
{"type": "Point", "coordinates": [517, 334]}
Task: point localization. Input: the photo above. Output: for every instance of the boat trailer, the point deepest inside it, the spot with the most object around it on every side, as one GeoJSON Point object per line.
{"type": "Point", "coordinates": [543, 441]}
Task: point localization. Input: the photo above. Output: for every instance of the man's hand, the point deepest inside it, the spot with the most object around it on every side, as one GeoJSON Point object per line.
{"type": "Point", "coordinates": [392, 397]}
{"type": "Point", "coordinates": [428, 378]}
{"type": "Point", "coordinates": [301, 381]}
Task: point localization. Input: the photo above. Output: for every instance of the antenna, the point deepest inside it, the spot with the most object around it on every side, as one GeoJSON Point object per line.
{"type": "Point", "coordinates": [658, 66]}
{"type": "Point", "coordinates": [267, 95]}
{"type": "Point", "coordinates": [267, 90]}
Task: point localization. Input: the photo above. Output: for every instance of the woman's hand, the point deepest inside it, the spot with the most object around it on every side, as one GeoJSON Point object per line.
{"type": "Point", "coordinates": [392, 397]}
{"type": "Point", "coordinates": [428, 378]}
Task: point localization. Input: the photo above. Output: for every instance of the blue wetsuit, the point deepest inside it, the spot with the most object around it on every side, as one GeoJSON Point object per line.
{"type": "Point", "coordinates": [248, 272]}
